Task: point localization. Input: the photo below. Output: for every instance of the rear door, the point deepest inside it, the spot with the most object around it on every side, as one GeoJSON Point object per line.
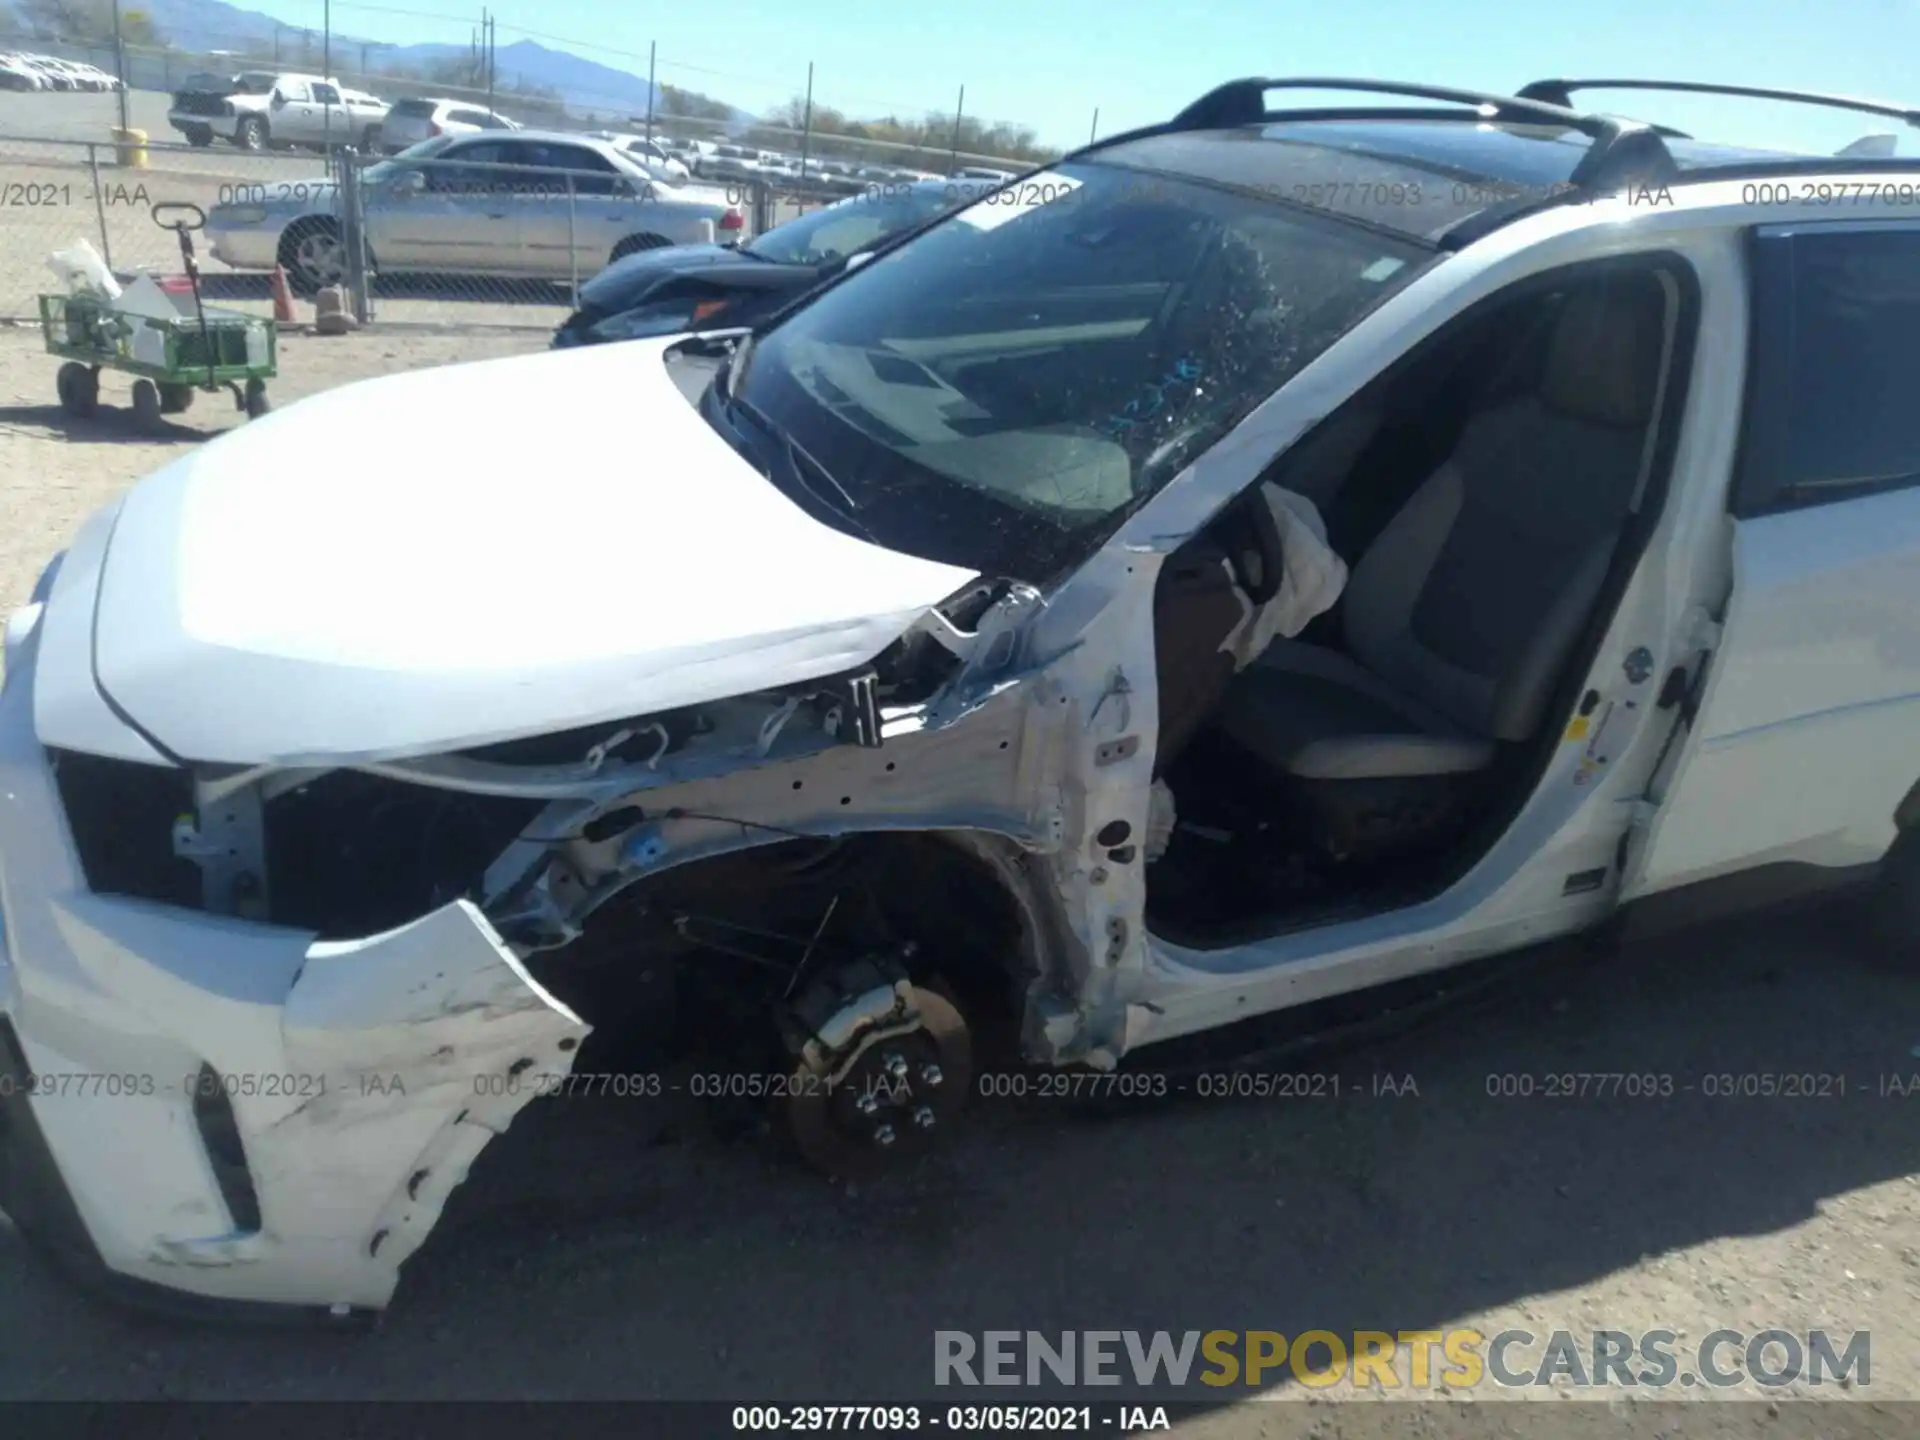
{"type": "Point", "coordinates": [582, 208]}
{"type": "Point", "coordinates": [1807, 729]}
{"type": "Point", "coordinates": [464, 221]}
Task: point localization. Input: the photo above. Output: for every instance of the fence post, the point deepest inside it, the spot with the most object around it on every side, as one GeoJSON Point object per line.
{"type": "Point", "coordinates": [120, 64]}
{"type": "Point", "coordinates": [573, 248]}
{"type": "Point", "coordinates": [762, 206]}
{"type": "Point", "coordinates": [99, 202]}
{"type": "Point", "coordinates": [953, 155]}
{"type": "Point", "coordinates": [352, 222]}
{"type": "Point", "coordinates": [806, 127]}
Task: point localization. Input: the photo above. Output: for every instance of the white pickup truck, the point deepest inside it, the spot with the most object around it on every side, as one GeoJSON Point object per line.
{"type": "Point", "coordinates": [259, 109]}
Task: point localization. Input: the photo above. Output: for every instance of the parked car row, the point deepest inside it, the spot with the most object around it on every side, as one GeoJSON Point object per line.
{"type": "Point", "coordinates": [521, 204]}
{"type": "Point", "coordinates": [728, 161]}
{"type": "Point", "coordinates": [19, 71]}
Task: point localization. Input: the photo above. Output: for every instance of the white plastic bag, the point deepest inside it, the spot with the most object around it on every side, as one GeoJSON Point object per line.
{"type": "Point", "coordinates": [80, 267]}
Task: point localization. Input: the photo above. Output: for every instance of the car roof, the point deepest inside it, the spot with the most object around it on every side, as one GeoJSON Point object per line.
{"type": "Point", "coordinates": [569, 137]}
{"type": "Point", "coordinates": [1420, 176]}
{"type": "Point", "coordinates": [573, 137]}
{"type": "Point", "coordinates": [1452, 171]}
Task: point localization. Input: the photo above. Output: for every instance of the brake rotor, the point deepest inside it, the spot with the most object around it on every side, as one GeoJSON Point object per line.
{"type": "Point", "coordinates": [885, 1100]}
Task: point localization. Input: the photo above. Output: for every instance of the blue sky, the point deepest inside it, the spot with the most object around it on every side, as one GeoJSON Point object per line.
{"type": "Point", "coordinates": [1051, 63]}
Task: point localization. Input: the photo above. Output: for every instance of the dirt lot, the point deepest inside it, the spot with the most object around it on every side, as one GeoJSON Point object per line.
{"type": "Point", "coordinates": [580, 1261]}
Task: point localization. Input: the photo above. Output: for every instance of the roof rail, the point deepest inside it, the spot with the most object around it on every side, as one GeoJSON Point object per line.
{"type": "Point", "coordinates": [1624, 152]}
{"type": "Point", "coordinates": [1560, 92]}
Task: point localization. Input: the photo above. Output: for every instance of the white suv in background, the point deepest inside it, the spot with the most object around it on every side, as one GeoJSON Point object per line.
{"type": "Point", "coordinates": [413, 120]}
{"type": "Point", "coordinates": [649, 155]}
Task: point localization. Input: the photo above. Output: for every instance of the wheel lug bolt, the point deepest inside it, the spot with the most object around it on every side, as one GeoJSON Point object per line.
{"type": "Point", "coordinates": [923, 1117]}
{"type": "Point", "coordinates": [866, 1104]}
{"type": "Point", "coordinates": [883, 1136]}
{"type": "Point", "coordinates": [896, 1066]}
{"type": "Point", "coordinates": [931, 1074]}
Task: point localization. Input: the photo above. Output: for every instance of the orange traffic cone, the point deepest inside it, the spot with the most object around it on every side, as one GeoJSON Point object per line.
{"type": "Point", "coordinates": [282, 297]}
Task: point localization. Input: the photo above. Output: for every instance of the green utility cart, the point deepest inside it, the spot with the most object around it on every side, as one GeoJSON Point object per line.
{"type": "Point", "coordinates": [159, 331]}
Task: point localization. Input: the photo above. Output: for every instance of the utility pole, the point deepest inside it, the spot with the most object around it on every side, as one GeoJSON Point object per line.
{"type": "Point", "coordinates": [953, 157]}
{"type": "Point", "coordinates": [806, 126]}
{"type": "Point", "coordinates": [488, 22]}
{"type": "Point", "coordinates": [120, 64]}
{"type": "Point", "coordinates": [1093, 130]}
{"type": "Point", "coordinates": [653, 50]}
{"type": "Point", "coordinates": [326, 72]}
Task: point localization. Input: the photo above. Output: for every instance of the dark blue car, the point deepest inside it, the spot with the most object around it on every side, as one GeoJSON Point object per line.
{"type": "Point", "coordinates": [680, 288]}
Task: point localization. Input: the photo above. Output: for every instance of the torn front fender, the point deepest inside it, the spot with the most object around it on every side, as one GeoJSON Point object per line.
{"type": "Point", "coordinates": [430, 1039]}
{"type": "Point", "coordinates": [358, 1098]}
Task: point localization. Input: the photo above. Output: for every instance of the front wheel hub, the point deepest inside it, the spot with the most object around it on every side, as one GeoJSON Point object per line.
{"type": "Point", "coordinates": [882, 1066]}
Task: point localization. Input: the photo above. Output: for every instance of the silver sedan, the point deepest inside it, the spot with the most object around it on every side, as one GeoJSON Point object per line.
{"type": "Point", "coordinates": [529, 204]}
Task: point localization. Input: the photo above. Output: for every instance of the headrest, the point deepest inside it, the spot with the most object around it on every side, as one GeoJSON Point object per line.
{"type": "Point", "coordinates": [1603, 360]}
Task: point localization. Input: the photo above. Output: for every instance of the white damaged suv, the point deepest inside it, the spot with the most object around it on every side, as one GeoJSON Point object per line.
{"type": "Point", "coordinates": [1262, 557]}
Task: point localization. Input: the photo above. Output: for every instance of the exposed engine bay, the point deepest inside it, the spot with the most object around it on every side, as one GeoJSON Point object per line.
{"type": "Point", "coordinates": [806, 960]}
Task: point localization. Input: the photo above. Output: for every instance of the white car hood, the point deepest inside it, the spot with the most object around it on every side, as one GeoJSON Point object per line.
{"type": "Point", "coordinates": [456, 556]}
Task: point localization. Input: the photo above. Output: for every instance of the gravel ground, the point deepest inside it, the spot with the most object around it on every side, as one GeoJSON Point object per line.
{"type": "Point", "coordinates": [587, 1259]}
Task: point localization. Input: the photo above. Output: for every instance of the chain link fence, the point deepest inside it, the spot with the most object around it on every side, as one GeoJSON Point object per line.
{"type": "Point", "coordinates": [439, 243]}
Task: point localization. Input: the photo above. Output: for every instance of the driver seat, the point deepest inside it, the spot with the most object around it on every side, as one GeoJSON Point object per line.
{"type": "Point", "coordinates": [1462, 613]}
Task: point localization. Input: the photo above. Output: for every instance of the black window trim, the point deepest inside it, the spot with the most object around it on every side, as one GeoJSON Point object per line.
{"type": "Point", "coordinates": [1758, 489]}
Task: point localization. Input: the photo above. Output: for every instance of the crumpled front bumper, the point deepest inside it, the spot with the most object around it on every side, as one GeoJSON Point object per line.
{"type": "Point", "coordinates": [235, 1111]}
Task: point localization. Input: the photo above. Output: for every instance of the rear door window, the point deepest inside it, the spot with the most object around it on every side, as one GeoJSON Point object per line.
{"type": "Point", "coordinates": [469, 170]}
{"type": "Point", "coordinates": [591, 172]}
{"type": "Point", "coordinates": [1833, 372]}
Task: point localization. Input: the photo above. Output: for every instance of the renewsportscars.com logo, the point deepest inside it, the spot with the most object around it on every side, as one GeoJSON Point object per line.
{"type": "Point", "coordinates": [1460, 1359]}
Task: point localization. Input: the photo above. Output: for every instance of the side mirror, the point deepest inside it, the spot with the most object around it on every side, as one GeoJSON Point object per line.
{"type": "Point", "coordinates": [409, 182]}
{"type": "Point", "coordinates": [857, 259]}
{"type": "Point", "coordinates": [277, 102]}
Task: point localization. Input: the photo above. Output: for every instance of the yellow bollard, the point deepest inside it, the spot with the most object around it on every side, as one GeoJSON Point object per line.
{"type": "Point", "coordinates": [131, 148]}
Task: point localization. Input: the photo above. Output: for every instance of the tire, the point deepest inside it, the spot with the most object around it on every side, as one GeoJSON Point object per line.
{"type": "Point", "coordinates": [257, 403]}
{"type": "Point", "coordinates": [370, 140]}
{"type": "Point", "coordinates": [146, 402]}
{"type": "Point", "coordinates": [251, 134]}
{"type": "Point", "coordinates": [633, 244]}
{"type": "Point", "coordinates": [175, 399]}
{"type": "Point", "coordinates": [199, 136]}
{"type": "Point", "coordinates": [1890, 917]}
{"type": "Point", "coordinates": [314, 255]}
{"type": "Point", "coordinates": [79, 389]}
